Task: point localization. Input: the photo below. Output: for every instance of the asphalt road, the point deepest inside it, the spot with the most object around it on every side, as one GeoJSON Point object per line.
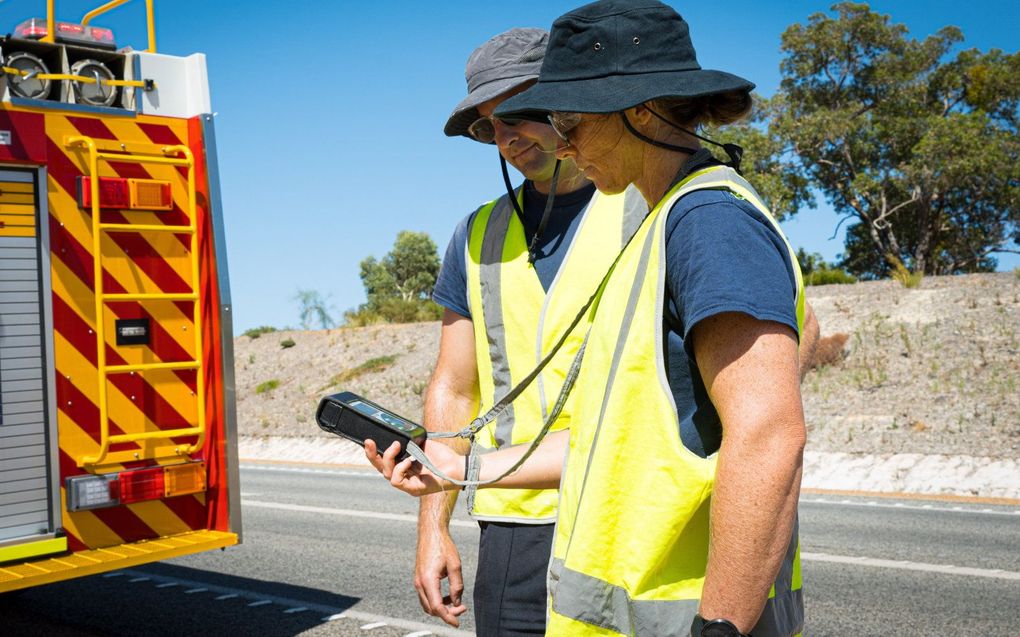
{"type": "Point", "coordinates": [330, 552]}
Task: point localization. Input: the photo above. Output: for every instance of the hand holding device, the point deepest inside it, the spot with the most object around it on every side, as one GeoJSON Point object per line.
{"type": "Point", "coordinates": [355, 418]}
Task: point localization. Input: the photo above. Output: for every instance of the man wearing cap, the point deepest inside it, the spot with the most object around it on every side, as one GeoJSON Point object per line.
{"type": "Point", "coordinates": [509, 292]}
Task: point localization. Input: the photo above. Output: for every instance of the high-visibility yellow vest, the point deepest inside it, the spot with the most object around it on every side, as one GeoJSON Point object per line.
{"type": "Point", "coordinates": [631, 543]}
{"type": "Point", "coordinates": [516, 323]}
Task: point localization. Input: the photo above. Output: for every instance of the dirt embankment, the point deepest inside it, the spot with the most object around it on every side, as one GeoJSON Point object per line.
{"type": "Point", "coordinates": [930, 370]}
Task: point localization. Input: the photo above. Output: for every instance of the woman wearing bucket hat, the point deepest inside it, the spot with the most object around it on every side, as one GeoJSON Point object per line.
{"type": "Point", "coordinates": [678, 507]}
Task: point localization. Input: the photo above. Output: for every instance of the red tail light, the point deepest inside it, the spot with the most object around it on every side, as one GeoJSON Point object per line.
{"type": "Point", "coordinates": [145, 484]}
{"type": "Point", "coordinates": [134, 194]}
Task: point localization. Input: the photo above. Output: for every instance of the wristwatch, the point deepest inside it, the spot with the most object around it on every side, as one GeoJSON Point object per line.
{"type": "Point", "coordinates": [702, 627]}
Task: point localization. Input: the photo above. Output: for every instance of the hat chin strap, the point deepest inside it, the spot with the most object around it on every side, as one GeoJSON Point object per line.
{"type": "Point", "coordinates": [533, 246]}
{"type": "Point", "coordinates": [734, 152]}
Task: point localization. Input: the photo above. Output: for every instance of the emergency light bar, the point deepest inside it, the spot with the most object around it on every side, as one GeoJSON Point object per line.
{"type": "Point", "coordinates": [137, 485]}
{"type": "Point", "coordinates": [125, 193]}
{"type": "Point", "coordinates": [67, 32]}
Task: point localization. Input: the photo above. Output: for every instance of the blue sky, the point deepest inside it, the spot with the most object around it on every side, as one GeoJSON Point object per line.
{"type": "Point", "coordinates": [330, 115]}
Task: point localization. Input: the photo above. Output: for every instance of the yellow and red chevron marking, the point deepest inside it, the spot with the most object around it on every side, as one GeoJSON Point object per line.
{"type": "Point", "coordinates": [131, 263]}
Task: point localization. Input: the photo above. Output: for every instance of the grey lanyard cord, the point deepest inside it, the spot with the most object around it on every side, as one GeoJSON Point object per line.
{"type": "Point", "coordinates": [477, 424]}
{"type": "Point", "coordinates": [568, 383]}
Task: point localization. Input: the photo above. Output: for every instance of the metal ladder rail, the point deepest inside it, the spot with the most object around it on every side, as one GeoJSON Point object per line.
{"type": "Point", "coordinates": [98, 228]}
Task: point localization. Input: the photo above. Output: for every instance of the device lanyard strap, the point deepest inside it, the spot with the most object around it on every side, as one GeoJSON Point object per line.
{"type": "Point", "coordinates": [479, 423]}
{"type": "Point", "coordinates": [418, 453]}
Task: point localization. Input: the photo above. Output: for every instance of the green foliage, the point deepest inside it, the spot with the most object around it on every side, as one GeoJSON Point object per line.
{"type": "Point", "coordinates": [256, 332]}
{"type": "Point", "coordinates": [371, 366]}
{"type": "Point", "coordinates": [917, 147]}
{"type": "Point", "coordinates": [268, 386]}
{"type": "Point", "coordinates": [287, 343]}
{"type": "Point", "coordinates": [394, 310]}
{"type": "Point", "coordinates": [828, 276]}
{"type": "Point", "coordinates": [765, 163]}
{"type": "Point", "coordinates": [817, 272]}
{"type": "Point", "coordinates": [1016, 271]}
{"type": "Point", "coordinates": [397, 288]}
{"type": "Point", "coordinates": [313, 311]}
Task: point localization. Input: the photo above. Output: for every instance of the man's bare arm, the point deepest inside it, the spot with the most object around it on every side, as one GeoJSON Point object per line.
{"type": "Point", "coordinates": [751, 371]}
{"type": "Point", "coordinates": [451, 401]}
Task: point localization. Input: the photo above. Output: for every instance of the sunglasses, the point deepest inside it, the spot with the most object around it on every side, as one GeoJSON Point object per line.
{"type": "Point", "coordinates": [563, 123]}
{"type": "Point", "coordinates": [483, 129]}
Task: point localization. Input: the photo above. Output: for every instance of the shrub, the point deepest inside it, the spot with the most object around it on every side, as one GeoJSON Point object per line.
{"type": "Point", "coordinates": [827, 276]}
{"type": "Point", "coordinates": [256, 332]}
{"type": "Point", "coordinates": [1016, 271]}
{"type": "Point", "coordinates": [371, 366]}
{"type": "Point", "coordinates": [830, 350]}
{"type": "Point", "coordinates": [267, 386]}
{"type": "Point", "coordinates": [287, 343]}
{"type": "Point", "coordinates": [817, 272]}
{"type": "Point", "coordinates": [394, 310]}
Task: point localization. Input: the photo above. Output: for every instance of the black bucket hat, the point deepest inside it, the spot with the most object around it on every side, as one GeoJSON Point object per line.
{"type": "Point", "coordinates": [502, 64]}
{"type": "Point", "coordinates": [611, 55]}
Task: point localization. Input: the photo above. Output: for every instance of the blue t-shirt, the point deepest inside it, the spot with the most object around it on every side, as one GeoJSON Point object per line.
{"type": "Point", "coordinates": [722, 255]}
{"type": "Point", "coordinates": [451, 284]}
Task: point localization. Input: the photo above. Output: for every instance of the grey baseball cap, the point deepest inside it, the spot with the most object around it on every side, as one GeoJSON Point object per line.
{"type": "Point", "coordinates": [501, 64]}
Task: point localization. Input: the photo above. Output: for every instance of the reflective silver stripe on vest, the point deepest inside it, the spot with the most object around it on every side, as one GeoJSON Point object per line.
{"type": "Point", "coordinates": [591, 600]}
{"type": "Point", "coordinates": [784, 580]}
{"type": "Point", "coordinates": [594, 601]}
{"type": "Point", "coordinates": [492, 311]}
{"type": "Point", "coordinates": [634, 212]}
{"type": "Point", "coordinates": [783, 616]}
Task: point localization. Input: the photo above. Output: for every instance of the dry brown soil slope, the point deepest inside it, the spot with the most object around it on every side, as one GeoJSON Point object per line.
{"type": "Point", "coordinates": [935, 369]}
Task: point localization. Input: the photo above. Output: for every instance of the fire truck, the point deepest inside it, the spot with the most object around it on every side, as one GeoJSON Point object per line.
{"type": "Point", "coordinates": [117, 419]}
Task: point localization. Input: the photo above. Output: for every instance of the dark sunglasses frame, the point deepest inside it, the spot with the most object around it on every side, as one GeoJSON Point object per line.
{"type": "Point", "coordinates": [483, 129]}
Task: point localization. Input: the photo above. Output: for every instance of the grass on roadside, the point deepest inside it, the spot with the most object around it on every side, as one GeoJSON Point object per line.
{"type": "Point", "coordinates": [371, 366]}
{"type": "Point", "coordinates": [267, 386]}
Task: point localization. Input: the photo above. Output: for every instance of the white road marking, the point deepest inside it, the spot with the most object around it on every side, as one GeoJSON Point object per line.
{"type": "Point", "coordinates": [333, 472]}
{"type": "Point", "coordinates": [914, 507]}
{"type": "Point", "coordinates": [396, 517]}
{"type": "Point", "coordinates": [820, 557]}
{"type": "Point", "coordinates": [113, 574]}
{"type": "Point", "coordinates": [225, 597]}
{"type": "Point", "coordinates": [166, 585]}
{"type": "Point", "coordinates": [139, 579]}
{"type": "Point", "coordinates": [907, 565]}
{"type": "Point", "coordinates": [329, 613]}
{"type": "Point", "coordinates": [195, 590]}
{"type": "Point", "coordinates": [373, 625]}
{"type": "Point", "coordinates": [420, 633]}
{"type": "Point", "coordinates": [298, 609]}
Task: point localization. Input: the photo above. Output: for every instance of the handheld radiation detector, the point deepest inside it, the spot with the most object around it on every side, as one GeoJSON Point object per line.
{"type": "Point", "coordinates": [352, 417]}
